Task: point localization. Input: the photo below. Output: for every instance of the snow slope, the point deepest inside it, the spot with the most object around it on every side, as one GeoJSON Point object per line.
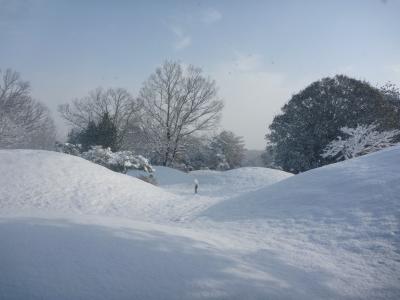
{"type": "Point", "coordinates": [215, 186]}
{"type": "Point", "coordinates": [368, 185]}
{"type": "Point", "coordinates": [247, 177]}
{"type": "Point", "coordinates": [330, 233]}
{"type": "Point", "coordinates": [88, 258]}
{"type": "Point", "coordinates": [165, 176]}
{"type": "Point", "coordinates": [238, 180]}
{"type": "Point", "coordinates": [342, 221]}
{"type": "Point", "coordinates": [44, 180]}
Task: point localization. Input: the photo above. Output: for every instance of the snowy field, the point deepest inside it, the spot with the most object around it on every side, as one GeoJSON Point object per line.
{"type": "Point", "coordinates": [70, 229]}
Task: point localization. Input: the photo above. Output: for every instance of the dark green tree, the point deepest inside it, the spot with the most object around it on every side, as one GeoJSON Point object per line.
{"type": "Point", "coordinates": [313, 118]}
{"type": "Point", "coordinates": [107, 134]}
{"type": "Point", "coordinates": [102, 134]}
{"type": "Point", "coordinates": [87, 137]}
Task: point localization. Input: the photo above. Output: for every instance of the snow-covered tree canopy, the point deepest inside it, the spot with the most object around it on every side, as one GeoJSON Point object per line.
{"type": "Point", "coordinates": [68, 148]}
{"type": "Point", "coordinates": [313, 118]}
{"type": "Point", "coordinates": [120, 161]}
{"type": "Point", "coordinates": [24, 122]}
{"type": "Point", "coordinates": [391, 92]}
{"type": "Point", "coordinates": [229, 150]}
{"type": "Point", "coordinates": [222, 151]}
{"type": "Point", "coordinates": [361, 140]}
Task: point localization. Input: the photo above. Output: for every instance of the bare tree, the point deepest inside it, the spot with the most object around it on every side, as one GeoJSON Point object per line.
{"type": "Point", "coordinates": [24, 122]}
{"type": "Point", "coordinates": [177, 102]}
{"type": "Point", "coordinates": [117, 103]}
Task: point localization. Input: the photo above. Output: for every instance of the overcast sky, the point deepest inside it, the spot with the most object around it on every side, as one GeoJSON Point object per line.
{"type": "Point", "coordinates": [259, 52]}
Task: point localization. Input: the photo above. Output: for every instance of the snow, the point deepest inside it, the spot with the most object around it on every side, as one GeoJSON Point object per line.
{"type": "Point", "coordinates": [341, 220]}
{"type": "Point", "coordinates": [361, 140]}
{"type": "Point", "coordinates": [347, 190]}
{"type": "Point", "coordinates": [135, 261]}
{"type": "Point", "coordinates": [165, 176]}
{"type": "Point", "coordinates": [74, 230]}
{"type": "Point", "coordinates": [44, 180]}
{"type": "Point", "coordinates": [213, 182]}
{"type": "Point", "coordinates": [238, 180]}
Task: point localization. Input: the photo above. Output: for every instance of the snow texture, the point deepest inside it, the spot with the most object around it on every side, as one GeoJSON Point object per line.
{"type": "Point", "coordinates": [71, 229]}
{"type": "Point", "coordinates": [52, 181]}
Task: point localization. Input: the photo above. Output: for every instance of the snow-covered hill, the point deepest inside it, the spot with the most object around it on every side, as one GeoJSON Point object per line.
{"type": "Point", "coordinates": [342, 220]}
{"type": "Point", "coordinates": [212, 183]}
{"type": "Point", "coordinates": [43, 180]}
{"type": "Point", "coordinates": [250, 233]}
{"type": "Point", "coordinates": [348, 190]}
{"type": "Point", "coordinates": [215, 186]}
{"type": "Point", "coordinates": [166, 176]}
{"type": "Point", "coordinates": [239, 180]}
{"type": "Point", "coordinates": [52, 181]}
{"type": "Point", "coordinates": [247, 178]}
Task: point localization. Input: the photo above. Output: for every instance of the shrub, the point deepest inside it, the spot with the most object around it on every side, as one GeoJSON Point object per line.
{"type": "Point", "coordinates": [120, 161]}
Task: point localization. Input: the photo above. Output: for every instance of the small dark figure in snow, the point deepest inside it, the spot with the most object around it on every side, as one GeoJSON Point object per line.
{"type": "Point", "coordinates": [196, 185]}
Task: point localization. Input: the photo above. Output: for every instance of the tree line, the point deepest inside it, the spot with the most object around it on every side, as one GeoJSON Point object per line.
{"type": "Point", "coordinates": [177, 107]}
{"type": "Point", "coordinates": [24, 122]}
{"type": "Point", "coordinates": [172, 121]}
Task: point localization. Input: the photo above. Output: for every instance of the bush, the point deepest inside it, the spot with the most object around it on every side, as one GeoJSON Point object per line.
{"type": "Point", "coordinates": [68, 148]}
{"type": "Point", "coordinates": [120, 161]}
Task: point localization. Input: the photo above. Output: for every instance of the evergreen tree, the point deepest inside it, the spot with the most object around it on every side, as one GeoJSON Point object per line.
{"type": "Point", "coordinates": [314, 117]}
{"type": "Point", "coordinates": [102, 134]}
{"type": "Point", "coordinates": [106, 133]}
{"type": "Point", "coordinates": [227, 150]}
{"type": "Point", "coordinates": [88, 137]}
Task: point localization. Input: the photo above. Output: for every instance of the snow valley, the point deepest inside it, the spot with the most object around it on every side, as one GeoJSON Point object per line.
{"type": "Point", "coordinates": [71, 229]}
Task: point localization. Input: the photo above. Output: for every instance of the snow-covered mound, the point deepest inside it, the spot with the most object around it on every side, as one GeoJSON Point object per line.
{"type": "Point", "coordinates": [331, 233]}
{"type": "Point", "coordinates": [246, 177]}
{"type": "Point", "coordinates": [165, 175]}
{"type": "Point", "coordinates": [215, 186]}
{"type": "Point", "coordinates": [346, 190]}
{"type": "Point", "coordinates": [340, 222]}
{"type": "Point", "coordinates": [44, 180]}
{"type": "Point", "coordinates": [240, 178]}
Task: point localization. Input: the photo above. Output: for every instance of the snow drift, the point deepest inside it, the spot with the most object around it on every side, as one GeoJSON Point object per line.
{"type": "Point", "coordinates": [44, 180]}
{"type": "Point", "coordinates": [59, 259]}
{"type": "Point", "coordinates": [330, 233]}
{"type": "Point", "coordinates": [215, 186]}
{"type": "Point", "coordinates": [240, 179]}
{"type": "Point", "coordinates": [165, 175]}
{"type": "Point", "coordinates": [52, 181]}
{"type": "Point", "coordinates": [341, 221]}
{"type": "Point", "coordinates": [246, 177]}
{"type": "Point", "coordinates": [366, 185]}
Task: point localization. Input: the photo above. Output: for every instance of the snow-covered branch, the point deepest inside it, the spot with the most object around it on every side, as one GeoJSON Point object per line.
{"type": "Point", "coordinates": [361, 140]}
{"type": "Point", "coordinates": [120, 161]}
{"type": "Point", "coordinates": [24, 122]}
